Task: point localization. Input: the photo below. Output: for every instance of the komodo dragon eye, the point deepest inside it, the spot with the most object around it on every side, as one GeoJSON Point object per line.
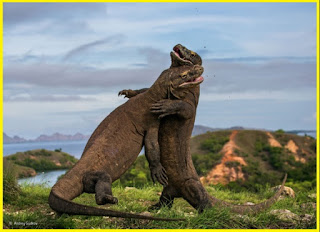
{"type": "Point", "coordinates": [184, 76]}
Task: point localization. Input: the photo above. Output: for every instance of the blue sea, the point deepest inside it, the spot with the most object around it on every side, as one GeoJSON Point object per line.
{"type": "Point", "coordinates": [74, 148]}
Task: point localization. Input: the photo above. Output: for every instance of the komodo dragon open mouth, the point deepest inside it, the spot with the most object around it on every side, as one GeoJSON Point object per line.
{"type": "Point", "coordinates": [194, 82]}
{"type": "Point", "coordinates": [192, 78]}
{"type": "Point", "coordinates": [178, 53]}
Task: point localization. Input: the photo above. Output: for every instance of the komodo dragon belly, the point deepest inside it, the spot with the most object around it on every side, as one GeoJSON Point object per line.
{"type": "Point", "coordinates": [176, 157]}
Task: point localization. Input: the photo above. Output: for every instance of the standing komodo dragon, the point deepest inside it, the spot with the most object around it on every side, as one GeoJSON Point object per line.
{"type": "Point", "coordinates": [174, 140]}
{"type": "Point", "coordinates": [115, 145]}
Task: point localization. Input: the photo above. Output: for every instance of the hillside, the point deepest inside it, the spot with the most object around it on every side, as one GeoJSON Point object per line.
{"type": "Point", "coordinates": [30, 162]}
{"type": "Point", "coordinates": [253, 156]}
{"type": "Point", "coordinates": [243, 159]}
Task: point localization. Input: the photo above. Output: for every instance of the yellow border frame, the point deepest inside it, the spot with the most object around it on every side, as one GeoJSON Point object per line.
{"type": "Point", "coordinates": [128, 1]}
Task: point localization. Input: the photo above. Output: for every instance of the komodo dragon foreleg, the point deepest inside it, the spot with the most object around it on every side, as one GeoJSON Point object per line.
{"type": "Point", "coordinates": [152, 153]}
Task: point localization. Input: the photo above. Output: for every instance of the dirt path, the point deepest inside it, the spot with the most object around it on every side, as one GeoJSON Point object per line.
{"type": "Point", "coordinates": [224, 172]}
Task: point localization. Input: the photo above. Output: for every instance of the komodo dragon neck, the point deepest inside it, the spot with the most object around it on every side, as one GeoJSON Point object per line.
{"type": "Point", "coordinates": [160, 89]}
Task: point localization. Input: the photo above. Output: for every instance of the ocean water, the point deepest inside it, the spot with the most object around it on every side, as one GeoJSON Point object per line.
{"type": "Point", "coordinates": [47, 179]}
{"type": "Point", "coordinates": [74, 148]}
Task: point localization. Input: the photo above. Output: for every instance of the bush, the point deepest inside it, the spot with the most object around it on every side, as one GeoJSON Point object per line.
{"type": "Point", "coordinates": [203, 163]}
{"type": "Point", "coordinates": [280, 131]}
{"type": "Point", "coordinates": [38, 165]}
{"type": "Point", "coordinates": [214, 144]}
{"type": "Point", "coordinates": [138, 175]}
{"type": "Point", "coordinates": [42, 152]}
{"type": "Point", "coordinates": [11, 189]}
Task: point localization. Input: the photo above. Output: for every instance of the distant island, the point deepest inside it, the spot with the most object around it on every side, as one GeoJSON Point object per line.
{"type": "Point", "coordinates": [197, 130]}
{"type": "Point", "coordinates": [29, 163]}
{"type": "Point", "coordinates": [45, 138]}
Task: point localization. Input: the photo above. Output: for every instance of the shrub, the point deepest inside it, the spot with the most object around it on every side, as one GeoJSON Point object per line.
{"type": "Point", "coordinates": [280, 131]}
{"type": "Point", "coordinates": [214, 144]}
{"type": "Point", "coordinates": [11, 189]}
{"type": "Point", "coordinates": [205, 162]}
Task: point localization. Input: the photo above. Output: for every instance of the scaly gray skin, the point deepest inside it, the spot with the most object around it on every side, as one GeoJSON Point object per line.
{"type": "Point", "coordinates": [177, 121]}
{"type": "Point", "coordinates": [115, 145]}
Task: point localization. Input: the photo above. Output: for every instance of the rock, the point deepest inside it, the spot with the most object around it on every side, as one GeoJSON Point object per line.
{"type": "Point", "coordinates": [285, 215]}
{"type": "Point", "coordinates": [129, 188]}
{"type": "Point", "coordinates": [146, 213]}
{"type": "Point", "coordinates": [313, 196]}
{"type": "Point", "coordinates": [249, 203]}
{"type": "Point", "coordinates": [308, 205]}
{"type": "Point", "coordinates": [287, 191]}
{"type": "Point", "coordinates": [191, 214]}
{"type": "Point", "coordinates": [306, 218]}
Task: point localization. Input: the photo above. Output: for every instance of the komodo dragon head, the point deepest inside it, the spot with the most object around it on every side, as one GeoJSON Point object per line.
{"type": "Point", "coordinates": [183, 78]}
{"type": "Point", "coordinates": [181, 56]}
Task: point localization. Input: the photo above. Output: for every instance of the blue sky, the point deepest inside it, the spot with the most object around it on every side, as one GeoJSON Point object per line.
{"type": "Point", "coordinates": [65, 62]}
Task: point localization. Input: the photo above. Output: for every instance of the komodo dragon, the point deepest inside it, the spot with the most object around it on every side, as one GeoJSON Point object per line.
{"type": "Point", "coordinates": [174, 140]}
{"type": "Point", "coordinates": [116, 143]}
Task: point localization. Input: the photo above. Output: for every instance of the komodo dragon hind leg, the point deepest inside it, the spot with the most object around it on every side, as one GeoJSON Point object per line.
{"type": "Point", "coordinates": [166, 199]}
{"type": "Point", "coordinates": [196, 195]}
{"type": "Point", "coordinates": [99, 182]}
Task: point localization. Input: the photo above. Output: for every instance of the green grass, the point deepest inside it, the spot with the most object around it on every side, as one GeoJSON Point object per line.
{"type": "Point", "coordinates": [30, 210]}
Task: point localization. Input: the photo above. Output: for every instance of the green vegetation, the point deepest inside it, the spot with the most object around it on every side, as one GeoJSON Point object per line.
{"type": "Point", "coordinates": [27, 163]}
{"type": "Point", "coordinates": [30, 210]}
{"type": "Point", "coordinates": [214, 143]}
{"type": "Point", "coordinates": [208, 154]}
{"type": "Point", "coordinates": [204, 163]}
{"type": "Point", "coordinates": [137, 175]}
{"type": "Point", "coordinates": [10, 186]}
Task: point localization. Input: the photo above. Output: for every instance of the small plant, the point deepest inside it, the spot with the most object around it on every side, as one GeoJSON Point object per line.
{"type": "Point", "coordinates": [280, 131]}
{"type": "Point", "coordinates": [11, 189]}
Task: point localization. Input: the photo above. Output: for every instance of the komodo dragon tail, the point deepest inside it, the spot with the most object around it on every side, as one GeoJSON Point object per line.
{"type": "Point", "coordinates": [246, 209]}
{"type": "Point", "coordinates": [65, 206]}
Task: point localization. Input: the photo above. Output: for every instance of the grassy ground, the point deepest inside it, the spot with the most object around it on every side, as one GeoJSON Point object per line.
{"type": "Point", "coordinates": [31, 210]}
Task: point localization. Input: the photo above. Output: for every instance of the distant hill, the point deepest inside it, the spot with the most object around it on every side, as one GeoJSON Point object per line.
{"type": "Point", "coordinates": [243, 159]}
{"type": "Point", "coordinates": [61, 137]}
{"type": "Point", "coordinates": [199, 129]}
{"type": "Point", "coordinates": [45, 138]}
{"type": "Point", "coordinates": [253, 156]}
{"type": "Point", "coordinates": [14, 139]}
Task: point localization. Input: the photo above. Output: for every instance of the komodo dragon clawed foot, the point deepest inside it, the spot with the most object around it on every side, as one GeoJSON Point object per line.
{"type": "Point", "coordinates": [128, 93]}
{"type": "Point", "coordinates": [99, 182]}
{"type": "Point", "coordinates": [166, 199]}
